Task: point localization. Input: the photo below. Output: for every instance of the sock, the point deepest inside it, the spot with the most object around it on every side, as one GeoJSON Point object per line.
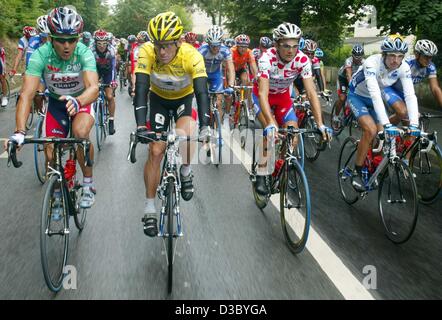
{"type": "Point", "coordinates": [185, 170]}
{"type": "Point", "coordinates": [149, 205]}
{"type": "Point", "coordinates": [88, 182]}
{"type": "Point", "coordinates": [111, 118]}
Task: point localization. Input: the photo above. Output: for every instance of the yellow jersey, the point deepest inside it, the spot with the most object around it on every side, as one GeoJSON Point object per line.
{"type": "Point", "coordinates": [173, 80]}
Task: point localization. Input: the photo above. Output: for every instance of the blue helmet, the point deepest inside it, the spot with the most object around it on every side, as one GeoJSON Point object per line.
{"type": "Point", "coordinates": [357, 50]}
{"type": "Point", "coordinates": [301, 43]}
{"type": "Point", "coordinates": [265, 42]}
{"type": "Point", "coordinates": [319, 53]}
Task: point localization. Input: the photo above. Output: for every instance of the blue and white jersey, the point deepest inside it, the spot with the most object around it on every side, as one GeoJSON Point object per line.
{"type": "Point", "coordinates": [373, 77]}
{"type": "Point", "coordinates": [33, 44]}
{"type": "Point", "coordinates": [418, 73]}
{"type": "Point", "coordinates": [213, 62]}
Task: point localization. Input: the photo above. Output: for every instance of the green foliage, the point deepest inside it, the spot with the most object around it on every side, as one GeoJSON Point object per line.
{"type": "Point", "coordinates": [337, 56]}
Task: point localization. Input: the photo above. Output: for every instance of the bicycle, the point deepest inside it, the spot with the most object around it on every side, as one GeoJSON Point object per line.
{"type": "Point", "coordinates": [34, 109]}
{"type": "Point", "coordinates": [60, 202]}
{"type": "Point", "coordinates": [290, 181]}
{"type": "Point", "coordinates": [39, 154]}
{"type": "Point", "coordinates": [169, 189]}
{"type": "Point", "coordinates": [243, 113]}
{"type": "Point", "coordinates": [313, 142]}
{"type": "Point", "coordinates": [397, 191]}
{"type": "Point", "coordinates": [101, 116]}
{"type": "Point", "coordinates": [425, 161]}
{"type": "Point", "coordinates": [215, 125]}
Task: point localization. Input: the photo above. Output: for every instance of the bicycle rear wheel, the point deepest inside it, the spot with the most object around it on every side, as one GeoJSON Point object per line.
{"type": "Point", "coordinates": [99, 125]}
{"type": "Point", "coordinates": [79, 213]}
{"type": "Point", "coordinates": [30, 119]}
{"type": "Point", "coordinates": [295, 206]}
{"type": "Point", "coordinates": [54, 234]}
{"type": "Point", "coordinates": [398, 203]}
{"type": "Point", "coordinates": [171, 201]}
{"type": "Point", "coordinates": [427, 168]}
{"type": "Point", "coordinates": [346, 165]}
{"type": "Point", "coordinates": [311, 141]}
{"type": "Point", "coordinates": [39, 153]}
{"type": "Point", "coordinates": [219, 138]}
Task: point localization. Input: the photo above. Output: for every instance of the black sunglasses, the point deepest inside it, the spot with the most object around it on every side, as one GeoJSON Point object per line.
{"type": "Point", "coordinates": [64, 40]}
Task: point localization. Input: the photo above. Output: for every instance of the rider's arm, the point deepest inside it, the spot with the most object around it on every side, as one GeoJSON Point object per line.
{"type": "Point", "coordinates": [202, 100]}
{"type": "Point", "coordinates": [409, 95]}
{"type": "Point", "coordinates": [230, 73]}
{"type": "Point", "coordinates": [90, 94]}
{"type": "Point", "coordinates": [18, 58]}
{"type": "Point", "coordinates": [312, 96]}
{"type": "Point", "coordinates": [436, 90]}
{"type": "Point", "coordinates": [263, 96]}
{"type": "Point", "coordinates": [253, 66]}
{"type": "Point", "coordinates": [30, 86]}
{"type": "Point", "coordinates": [370, 72]}
{"type": "Point", "coordinates": [348, 74]}
{"type": "Point", "coordinates": [142, 86]}
{"type": "Point", "coordinates": [114, 67]}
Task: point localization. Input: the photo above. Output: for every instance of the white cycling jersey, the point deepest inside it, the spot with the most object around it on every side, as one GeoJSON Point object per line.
{"type": "Point", "coordinates": [280, 75]}
{"type": "Point", "coordinates": [373, 76]}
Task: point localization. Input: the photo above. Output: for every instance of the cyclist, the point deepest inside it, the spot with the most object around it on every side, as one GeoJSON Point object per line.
{"type": "Point", "coordinates": [242, 58]}
{"type": "Point", "coordinates": [345, 73]}
{"type": "Point", "coordinates": [378, 72]}
{"type": "Point", "coordinates": [214, 54]}
{"type": "Point", "coordinates": [278, 68]}
{"type": "Point", "coordinates": [86, 39]}
{"type": "Point", "coordinates": [171, 72]}
{"type": "Point", "coordinates": [122, 56]}
{"type": "Point", "coordinates": [421, 68]}
{"type": "Point", "coordinates": [190, 38]}
{"type": "Point", "coordinates": [28, 32]}
{"type": "Point", "coordinates": [132, 58]}
{"type": "Point", "coordinates": [264, 44]}
{"type": "Point", "coordinates": [319, 54]}
{"type": "Point", "coordinates": [105, 58]}
{"type": "Point", "coordinates": [69, 70]}
{"type": "Point", "coordinates": [310, 49]}
{"type": "Point", "coordinates": [2, 76]}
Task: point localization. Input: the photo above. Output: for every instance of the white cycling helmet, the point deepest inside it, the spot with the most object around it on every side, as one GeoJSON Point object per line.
{"type": "Point", "coordinates": [42, 24]}
{"type": "Point", "coordinates": [426, 47]}
{"type": "Point", "coordinates": [214, 35]}
{"type": "Point", "coordinates": [310, 45]}
{"type": "Point", "coordinates": [394, 43]}
{"type": "Point", "coordinates": [287, 31]}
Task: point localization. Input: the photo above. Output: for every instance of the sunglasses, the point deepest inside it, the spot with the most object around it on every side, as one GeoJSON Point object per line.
{"type": "Point", "coordinates": [397, 56]}
{"type": "Point", "coordinates": [215, 46]}
{"type": "Point", "coordinates": [288, 47]}
{"type": "Point", "coordinates": [164, 45]}
{"type": "Point", "coordinates": [64, 40]}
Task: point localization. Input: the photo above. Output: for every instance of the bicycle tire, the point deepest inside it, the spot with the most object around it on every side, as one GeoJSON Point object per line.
{"type": "Point", "coordinates": [337, 129]}
{"type": "Point", "coordinates": [295, 223]}
{"type": "Point", "coordinates": [243, 124]}
{"type": "Point", "coordinates": [311, 141]}
{"type": "Point", "coordinates": [98, 127]}
{"type": "Point", "coordinates": [170, 214]}
{"type": "Point", "coordinates": [390, 178]}
{"type": "Point", "coordinates": [220, 138]}
{"type": "Point", "coordinates": [39, 153]}
{"type": "Point", "coordinates": [347, 156]}
{"type": "Point", "coordinates": [30, 119]}
{"type": "Point", "coordinates": [8, 90]}
{"type": "Point", "coordinates": [260, 200]}
{"type": "Point", "coordinates": [79, 213]}
{"type": "Point", "coordinates": [427, 168]}
{"type": "Point", "coordinates": [54, 282]}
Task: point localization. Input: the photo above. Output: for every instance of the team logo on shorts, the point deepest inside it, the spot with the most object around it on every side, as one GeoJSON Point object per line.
{"type": "Point", "coordinates": [159, 118]}
{"type": "Point", "coordinates": [180, 110]}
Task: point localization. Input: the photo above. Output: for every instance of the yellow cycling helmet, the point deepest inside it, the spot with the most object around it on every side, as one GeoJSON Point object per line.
{"type": "Point", "coordinates": [165, 26]}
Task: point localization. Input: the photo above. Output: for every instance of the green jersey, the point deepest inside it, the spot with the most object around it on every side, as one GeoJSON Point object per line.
{"type": "Point", "coordinates": [62, 77]}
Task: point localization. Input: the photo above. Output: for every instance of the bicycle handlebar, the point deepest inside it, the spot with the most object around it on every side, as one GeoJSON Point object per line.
{"type": "Point", "coordinates": [427, 115]}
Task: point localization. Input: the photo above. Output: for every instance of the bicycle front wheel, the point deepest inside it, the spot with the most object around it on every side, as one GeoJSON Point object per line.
{"type": "Point", "coordinates": [311, 141]}
{"type": "Point", "coordinates": [54, 235]}
{"type": "Point", "coordinates": [39, 153]}
{"type": "Point", "coordinates": [243, 124]}
{"type": "Point", "coordinates": [171, 202]}
{"type": "Point", "coordinates": [398, 203]}
{"type": "Point", "coordinates": [295, 206]}
{"type": "Point", "coordinates": [219, 138]}
{"type": "Point", "coordinates": [427, 170]}
{"type": "Point", "coordinates": [346, 164]}
{"type": "Point", "coordinates": [99, 125]}
{"type": "Point", "coordinates": [30, 119]}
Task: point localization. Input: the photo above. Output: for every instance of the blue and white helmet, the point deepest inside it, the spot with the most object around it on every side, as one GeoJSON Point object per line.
{"type": "Point", "coordinates": [357, 50]}
{"type": "Point", "coordinates": [65, 20]}
{"type": "Point", "coordinates": [214, 35]}
{"type": "Point", "coordinates": [394, 43]}
{"type": "Point", "coordinates": [265, 42]}
{"type": "Point", "coordinates": [42, 24]}
{"type": "Point", "coordinates": [425, 47]}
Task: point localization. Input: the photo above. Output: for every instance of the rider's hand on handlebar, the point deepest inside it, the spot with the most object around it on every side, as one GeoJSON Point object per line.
{"type": "Point", "coordinates": [327, 133]}
{"type": "Point", "coordinates": [72, 106]}
{"type": "Point", "coordinates": [18, 138]}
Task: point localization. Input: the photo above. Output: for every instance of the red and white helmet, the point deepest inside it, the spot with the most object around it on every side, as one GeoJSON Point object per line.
{"type": "Point", "coordinates": [190, 37]}
{"type": "Point", "coordinates": [29, 31]}
{"type": "Point", "coordinates": [310, 45]}
{"type": "Point", "coordinates": [65, 20]}
{"type": "Point", "coordinates": [101, 35]}
{"type": "Point", "coordinates": [242, 40]}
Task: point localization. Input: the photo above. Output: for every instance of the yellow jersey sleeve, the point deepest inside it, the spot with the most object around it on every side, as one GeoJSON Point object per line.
{"type": "Point", "coordinates": [146, 58]}
{"type": "Point", "coordinates": [195, 63]}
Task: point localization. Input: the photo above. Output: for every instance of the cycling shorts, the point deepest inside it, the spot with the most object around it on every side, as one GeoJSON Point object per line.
{"type": "Point", "coordinates": [361, 106]}
{"type": "Point", "coordinates": [106, 76]}
{"type": "Point", "coordinates": [281, 105]}
{"type": "Point", "coordinates": [215, 80]}
{"type": "Point", "coordinates": [160, 107]}
{"type": "Point", "coordinates": [392, 95]}
{"type": "Point", "coordinates": [56, 122]}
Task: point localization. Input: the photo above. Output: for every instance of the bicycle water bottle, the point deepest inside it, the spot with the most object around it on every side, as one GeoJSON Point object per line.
{"type": "Point", "coordinates": [266, 164]}
{"type": "Point", "coordinates": [69, 172]}
{"type": "Point", "coordinates": [278, 166]}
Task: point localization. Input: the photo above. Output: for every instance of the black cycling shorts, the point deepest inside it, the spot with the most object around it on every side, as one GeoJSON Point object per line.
{"type": "Point", "coordinates": [160, 107]}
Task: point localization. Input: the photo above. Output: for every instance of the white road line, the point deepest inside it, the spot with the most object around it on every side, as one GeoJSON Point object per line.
{"type": "Point", "coordinates": [349, 286]}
